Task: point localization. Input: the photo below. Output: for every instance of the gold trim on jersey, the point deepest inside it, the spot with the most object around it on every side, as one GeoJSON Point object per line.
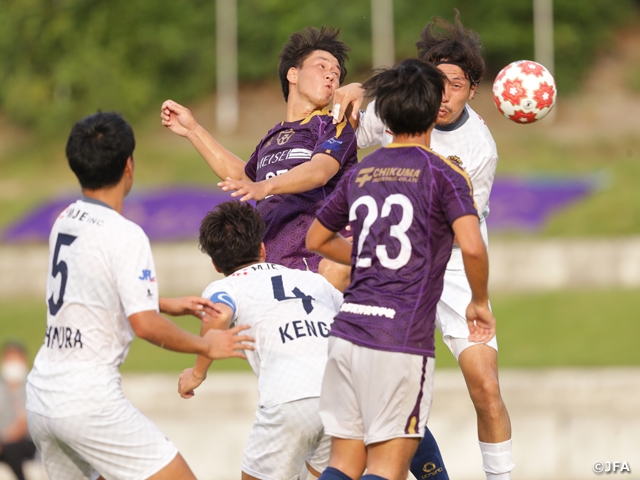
{"type": "Point", "coordinates": [456, 168]}
{"type": "Point", "coordinates": [325, 111]}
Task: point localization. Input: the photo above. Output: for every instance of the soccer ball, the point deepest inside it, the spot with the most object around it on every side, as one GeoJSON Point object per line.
{"type": "Point", "coordinates": [524, 91]}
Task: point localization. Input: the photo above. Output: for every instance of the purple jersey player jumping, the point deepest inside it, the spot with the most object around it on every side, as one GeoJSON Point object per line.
{"type": "Point", "coordinates": [299, 162]}
{"type": "Point", "coordinates": [404, 204]}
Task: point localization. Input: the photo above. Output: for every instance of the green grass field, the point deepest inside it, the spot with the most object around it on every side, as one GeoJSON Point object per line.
{"type": "Point", "coordinates": [556, 329]}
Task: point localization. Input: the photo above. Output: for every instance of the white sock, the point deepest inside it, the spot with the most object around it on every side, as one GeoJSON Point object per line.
{"type": "Point", "coordinates": [496, 460]}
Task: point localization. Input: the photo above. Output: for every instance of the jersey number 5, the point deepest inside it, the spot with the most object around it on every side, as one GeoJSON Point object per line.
{"type": "Point", "coordinates": [60, 267]}
{"type": "Point", "coordinates": [397, 231]}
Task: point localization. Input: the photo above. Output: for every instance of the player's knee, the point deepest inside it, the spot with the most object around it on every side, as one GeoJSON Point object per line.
{"type": "Point", "coordinates": [485, 394]}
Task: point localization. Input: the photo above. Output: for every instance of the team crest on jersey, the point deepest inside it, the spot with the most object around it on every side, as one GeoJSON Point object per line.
{"type": "Point", "coordinates": [455, 159]}
{"type": "Point", "coordinates": [364, 176]}
{"type": "Point", "coordinates": [285, 136]}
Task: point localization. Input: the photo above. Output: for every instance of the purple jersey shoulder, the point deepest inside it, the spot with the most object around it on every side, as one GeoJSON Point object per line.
{"type": "Point", "coordinates": [400, 202]}
{"type": "Point", "coordinates": [289, 216]}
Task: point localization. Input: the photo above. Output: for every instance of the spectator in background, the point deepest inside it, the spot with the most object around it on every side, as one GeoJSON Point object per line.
{"type": "Point", "coordinates": [16, 445]}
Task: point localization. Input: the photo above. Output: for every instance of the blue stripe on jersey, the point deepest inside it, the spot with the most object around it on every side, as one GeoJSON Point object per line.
{"type": "Point", "coordinates": [223, 297]}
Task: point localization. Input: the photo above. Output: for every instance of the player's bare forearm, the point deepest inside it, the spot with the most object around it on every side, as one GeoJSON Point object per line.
{"type": "Point", "coordinates": [218, 321]}
{"type": "Point", "coordinates": [307, 176]}
{"type": "Point", "coordinates": [155, 328]}
{"type": "Point", "coordinates": [329, 244]}
{"type": "Point", "coordinates": [191, 305]}
{"type": "Point", "coordinates": [223, 163]}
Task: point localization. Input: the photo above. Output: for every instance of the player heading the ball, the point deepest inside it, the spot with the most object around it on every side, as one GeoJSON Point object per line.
{"type": "Point", "coordinates": [404, 204]}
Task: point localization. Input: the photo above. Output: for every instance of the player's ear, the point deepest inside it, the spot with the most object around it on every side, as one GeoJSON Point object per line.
{"type": "Point", "coordinates": [263, 252]}
{"type": "Point", "coordinates": [292, 75]}
{"type": "Point", "coordinates": [472, 91]}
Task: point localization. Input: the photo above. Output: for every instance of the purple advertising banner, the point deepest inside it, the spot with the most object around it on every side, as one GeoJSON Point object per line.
{"type": "Point", "coordinates": [174, 213]}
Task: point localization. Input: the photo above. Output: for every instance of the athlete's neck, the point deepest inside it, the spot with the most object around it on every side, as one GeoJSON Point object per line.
{"type": "Point", "coordinates": [299, 108]}
{"type": "Point", "coordinates": [113, 196]}
{"type": "Point", "coordinates": [420, 139]}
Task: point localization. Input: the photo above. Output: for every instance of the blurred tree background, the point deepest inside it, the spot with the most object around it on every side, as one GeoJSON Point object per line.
{"type": "Point", "coordinates": [64, 58]}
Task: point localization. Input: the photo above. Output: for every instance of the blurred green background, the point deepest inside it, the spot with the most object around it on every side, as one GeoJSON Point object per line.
{"type": "Point", "coordinates": [64, 59]}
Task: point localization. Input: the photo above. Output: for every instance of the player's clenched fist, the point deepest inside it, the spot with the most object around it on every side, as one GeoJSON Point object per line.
{"type": "Point", "coordinates": [188, 382]}
{"type": "Point", "coordinates": [227, 344]}
{"type": "Point", "coordinates": [177, 118]}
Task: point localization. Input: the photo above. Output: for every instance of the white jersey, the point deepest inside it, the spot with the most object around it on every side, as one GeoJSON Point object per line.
{"type": "Point", "coordinates": [101, 272]}
{"type": "Point", "coordinates": [290, 313]}
{"type": "Point", "coordinates": [467, 142]}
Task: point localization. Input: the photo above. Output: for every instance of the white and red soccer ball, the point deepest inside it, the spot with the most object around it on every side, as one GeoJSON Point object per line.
{"type": "Point", "coordinates": [524, 91]}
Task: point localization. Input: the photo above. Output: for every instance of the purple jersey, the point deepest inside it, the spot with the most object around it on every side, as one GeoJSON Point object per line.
{"type": "Point", "coordinates": [400, 202]}
{"type": "Point", "coordinates": [289, 216]}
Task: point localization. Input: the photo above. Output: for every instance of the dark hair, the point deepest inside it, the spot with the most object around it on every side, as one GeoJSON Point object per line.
{"type": "Point", "coordinates": [303, 43]}
{"type": "Point", "coordinates": [14, 345]}
{"type": "Point", "coordinates": [231, 235]}
{"type": "Point", "coordinates": [455, 44]}
{"type": "Point", "coordinates": [408, 95]}
{"type": "Point", "coordinates": [98, 148]}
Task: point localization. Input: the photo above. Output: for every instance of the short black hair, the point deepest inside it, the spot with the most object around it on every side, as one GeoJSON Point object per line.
{"type": "Point", "coordinates": [98, 148]}
{"type": "Point", "coordinates": [231, 235]}
{"type": "Point", "coordinates": [408, 95]}
{"type": "Point", "coordinates": [303, 43]}
{"type": "Point", "coordinates": [454, 44]}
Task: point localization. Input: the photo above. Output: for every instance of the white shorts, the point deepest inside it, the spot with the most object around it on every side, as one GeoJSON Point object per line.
{"type": "Point", "coordinates": [451, 313]}
{"type": "Point", "coordinates": [117, 442]}
{"type": "Point", "coordinates": [375, 395]}
{"type": "Point", "coordinates": [283, 438]}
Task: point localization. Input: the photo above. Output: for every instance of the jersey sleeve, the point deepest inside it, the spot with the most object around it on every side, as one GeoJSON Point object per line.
{"type": "Point", "coordinates": [456, 192]}
{"type": "Point", "coordinates": [135, 274]}
{"type": "Point", "coordinates": [250, 169]}
{"type": "Point", "coordinates": [221, 292]}
{"type": "Point", "coordinates": [337, 141]}
{"type": "Point", "coordinates": [370, 128]}
{"type": "Point", "coordinates": [334, 214]}
{"type": "Point", "coordinates": [482, 175]}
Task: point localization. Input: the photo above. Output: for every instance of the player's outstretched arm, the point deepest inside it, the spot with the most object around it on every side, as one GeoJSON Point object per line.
{"type": "Point", "coordinates": [191, 378]}
{"type": "Point", "coordinates": [199, 307]}
{"type": "Point", "coordinates": [348, 98]}
{"type": "Point", "coordinates": [482, 324]}
{"type": "Point", "coordinates": [215, 344]}
{"type": "Point", "coordinates": [304, 177]}
{"type": "Point", "coordinates": [180, 121]}
{"type": "Point", "coordinates": [329, 244]}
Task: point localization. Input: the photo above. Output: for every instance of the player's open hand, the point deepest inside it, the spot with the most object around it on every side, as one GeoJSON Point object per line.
{"type": "Point", "coordinates": [247, 190]}
{"type": "Point", "coordinates": [188, 382]}
{"type": "Point", "coordinates": [344, 98]}
{"type": "Point", "coordinates": [201, 308]}
{"type": "Point", "coordinates": [482, 323]}
{"type": "Point", "coordinates": [177, 118]}
{"type": "Point", "coordinates": [227, 343]}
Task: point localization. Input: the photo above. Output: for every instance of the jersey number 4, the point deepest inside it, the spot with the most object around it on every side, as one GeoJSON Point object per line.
{"type": "Point", "coordinates": [278, 293]}
{"type": "Point", "coordinates": [397, 231]}
{"type": "Point", "coordinates": [60, 267]}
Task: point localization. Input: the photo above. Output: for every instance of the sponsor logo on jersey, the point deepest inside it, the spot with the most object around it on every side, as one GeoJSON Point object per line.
{"type": "Point", "coordinates": [331, 145]}
{"type": "Point", "coordinates": [63, 337]}
{"type": "Point", "coordinates": [82, 216]}
{"type": "Point", "coordinates": [303, 328]}
{"type": "Point", "coordinates": [364, 175]}
{"type": "Point", "coordinates": [431, 470]}
{"type": "Point", "coordinates": [455, 159]}
{"type": "Point", "coordinates": [395, 174]}
{"type": "Point", "coordinates": [285, 136]}
{"type": "Point", "coordinates": [368, 310]}
{"type": "Point", "coordinates": [293, 153]}
{"type": "Point", "coordinates": [146, 276]}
